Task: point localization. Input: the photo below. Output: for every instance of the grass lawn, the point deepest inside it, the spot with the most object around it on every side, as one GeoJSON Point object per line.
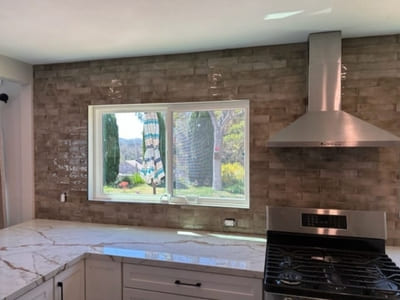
{"type": "Point", "coordinates": [142, 189]}
{"type": "Point", "coordinates": [145, 189]}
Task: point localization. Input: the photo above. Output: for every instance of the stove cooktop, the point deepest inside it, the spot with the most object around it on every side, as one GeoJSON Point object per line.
{"type": "Point", "coordinates": [330, 273]}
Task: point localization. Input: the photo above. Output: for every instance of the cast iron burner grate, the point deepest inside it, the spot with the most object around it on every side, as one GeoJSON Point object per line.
{"type": "Point", "coordinates": [331, 273]}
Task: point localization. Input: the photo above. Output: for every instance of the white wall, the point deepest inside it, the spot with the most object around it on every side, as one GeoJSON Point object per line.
{"type": "Point", "coordinates": [15, 70]}
{"type": "Point", "coordinates": [16, 121]}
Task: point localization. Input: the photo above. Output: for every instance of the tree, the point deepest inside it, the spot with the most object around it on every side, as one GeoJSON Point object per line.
{"type": "Point", "coordinates": [110, 149]}
{"type": "Point", "coordinates": [161, 124]}
{"type": "Point", "coordinates": [234, 141]}
{"type": "Point", "coordinates": [220, 121]}
{"type": "Point", "coordinates": [201, 148]}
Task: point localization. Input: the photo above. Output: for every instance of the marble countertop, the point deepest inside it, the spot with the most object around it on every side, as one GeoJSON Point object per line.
{"type": "Point", "coordinates": [37, 250]}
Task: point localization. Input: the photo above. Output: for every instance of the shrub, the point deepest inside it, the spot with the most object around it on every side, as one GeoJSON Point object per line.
{"type": "Point", "coordinates": [233, 178]}
{"type": "Point", "coordinates": [232, 173]}
{"type": "Point", "coordinates": [126, 179]}
{"type": "Point", "coordinates": [237, 188]}
{"type": "Point", "coordinates": [136, 179]}
{"type": "Point", "coordinates": [122, 182]}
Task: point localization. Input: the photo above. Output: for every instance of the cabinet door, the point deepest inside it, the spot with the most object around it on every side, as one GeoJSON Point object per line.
{"type": "Point", "coordinates": [133, 294]}
{"type": "Point", "coordinates": [103, 279]}
{"type": "Point", "coordinates": [70, 284]}
{"type": "Point", "coordinates": [42, 292]}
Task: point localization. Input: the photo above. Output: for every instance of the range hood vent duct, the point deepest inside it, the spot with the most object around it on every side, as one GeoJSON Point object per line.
{"type": "Point", "coordinates": [325, 124]}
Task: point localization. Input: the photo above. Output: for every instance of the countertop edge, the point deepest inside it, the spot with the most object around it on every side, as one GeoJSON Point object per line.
{"type": "Point", "coordinates": [178, 265]}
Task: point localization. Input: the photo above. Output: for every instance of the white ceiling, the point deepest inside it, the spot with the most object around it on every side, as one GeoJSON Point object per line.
{"type": "Point", "coordinates": [48, 31]}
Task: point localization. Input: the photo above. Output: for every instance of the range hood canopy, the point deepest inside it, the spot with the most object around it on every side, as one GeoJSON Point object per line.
{"type": "Point", "coordinates": [325, 124]}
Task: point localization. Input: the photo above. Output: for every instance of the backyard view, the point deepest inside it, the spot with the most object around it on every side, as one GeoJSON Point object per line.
{"type": "Point", "coordinates": [207, 146]}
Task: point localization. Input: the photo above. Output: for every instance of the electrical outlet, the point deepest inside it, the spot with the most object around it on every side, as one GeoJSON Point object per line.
{"type": "Point", "coordinates": [229, 222]}
{"type": "Point", "coordinates": [63, 197]}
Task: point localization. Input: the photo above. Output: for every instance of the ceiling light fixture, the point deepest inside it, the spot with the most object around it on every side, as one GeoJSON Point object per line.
{"type": "Point", "coordinates": [322, 12]}
{"type": "Point", "coordinates": [282, 15]}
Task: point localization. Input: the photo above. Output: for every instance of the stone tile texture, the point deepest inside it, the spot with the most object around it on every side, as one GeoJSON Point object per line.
{"type": "Point", "coordinates": [274, 79]}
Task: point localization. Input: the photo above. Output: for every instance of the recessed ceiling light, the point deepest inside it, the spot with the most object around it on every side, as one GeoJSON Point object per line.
{"type": "Point", "coordinates": [322, 11]}
{"type": "Point", "coordinates": [282, 15]}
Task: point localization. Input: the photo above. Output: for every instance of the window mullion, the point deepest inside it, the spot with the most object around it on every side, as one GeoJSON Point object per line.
{"type": "Point", "coordinates": [169, 154]}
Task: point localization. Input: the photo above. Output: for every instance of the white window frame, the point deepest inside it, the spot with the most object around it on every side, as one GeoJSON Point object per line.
{"type": "Point", "coordinates": [95, 153]}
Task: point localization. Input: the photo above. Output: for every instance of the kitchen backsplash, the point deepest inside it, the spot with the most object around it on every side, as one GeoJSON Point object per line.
{"type": "Point", "coordinates": [274, 79]}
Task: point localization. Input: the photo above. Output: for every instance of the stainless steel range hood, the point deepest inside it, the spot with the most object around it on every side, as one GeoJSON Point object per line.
{"type": "Point", "coordinates": [325, 124]}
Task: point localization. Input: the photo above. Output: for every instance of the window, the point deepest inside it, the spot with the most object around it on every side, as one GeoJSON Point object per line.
{"type": "Point", "coordinates": [177, 153]}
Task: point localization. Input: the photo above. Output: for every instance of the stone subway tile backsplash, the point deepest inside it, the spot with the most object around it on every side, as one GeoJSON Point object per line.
{"type": "Point", "coordinates": [274, 79]}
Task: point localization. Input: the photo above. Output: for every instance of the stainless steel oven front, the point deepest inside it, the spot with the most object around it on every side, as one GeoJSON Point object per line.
{"type": "Point", "coordinates": [325, 254]}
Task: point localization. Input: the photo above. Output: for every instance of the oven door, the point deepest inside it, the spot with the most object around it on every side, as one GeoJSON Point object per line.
{"type": "Point", "coordinates": [275, 296]}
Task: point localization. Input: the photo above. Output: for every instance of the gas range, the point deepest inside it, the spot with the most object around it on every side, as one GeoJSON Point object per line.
{"type": "Point", "coordinates": [328, 254]}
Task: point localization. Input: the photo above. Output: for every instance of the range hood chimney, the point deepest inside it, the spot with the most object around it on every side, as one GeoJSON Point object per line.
{"type": "Point", "coordinates": [325, 124]}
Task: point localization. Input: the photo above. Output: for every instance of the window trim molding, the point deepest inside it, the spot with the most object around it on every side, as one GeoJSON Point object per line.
{"type": "Point", "coordinates": [95, 174]}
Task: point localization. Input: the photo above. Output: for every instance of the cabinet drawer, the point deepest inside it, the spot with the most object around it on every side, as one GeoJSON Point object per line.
{"type": "Point", "coordinates": [133, 294]}
{"type": "Point", "coordinates": [190, 283]}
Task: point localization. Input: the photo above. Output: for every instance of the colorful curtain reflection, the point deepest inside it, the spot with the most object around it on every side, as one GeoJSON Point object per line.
{"type": "Point", "coordinates": [153, 169]}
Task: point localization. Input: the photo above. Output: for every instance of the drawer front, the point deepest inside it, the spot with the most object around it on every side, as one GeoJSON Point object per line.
{"type": "Point", "coordinates": [190, 283]}
{"type": "Point", "coordinates": [133, 294]}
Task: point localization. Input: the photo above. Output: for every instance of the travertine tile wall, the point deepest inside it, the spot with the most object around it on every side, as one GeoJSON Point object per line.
{"type": "Point", "coordinates": [274, 79]}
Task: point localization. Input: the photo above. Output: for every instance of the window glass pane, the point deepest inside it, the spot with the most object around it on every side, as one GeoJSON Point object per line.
{"type": "Point", "coordinates": [134, 153]}
{"type": "Point", "coordinates": [208, 148]}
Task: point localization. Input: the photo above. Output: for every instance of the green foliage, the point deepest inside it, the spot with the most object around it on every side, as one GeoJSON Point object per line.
{"type": "Point", "coordinates": [180, 185]}
{"type": "Point", "coordinates": [136, 179]}
{"type": "Point", "coordinates": [201, 135]}
{"type": "Point", "coordinates": [234, 143]}
{"type": "Point", "coordinates": [233, 177]}
{"type": "Point", "coordinates": [130, 181]}
{"type": "Point", "coordinates": [110, 148]}
{"type": "Point", "coordinates": [127, 179]}
{"type": "Point", "coordinates": [124, 182]}
{"type": "Point", "coordinates": [237, 188]}
{"type": "Point", "coordinates": [145, 189]}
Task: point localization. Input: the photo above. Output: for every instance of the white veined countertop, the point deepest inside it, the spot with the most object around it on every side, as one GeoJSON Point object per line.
{"type": "Point", "coordinates": [37, 250]}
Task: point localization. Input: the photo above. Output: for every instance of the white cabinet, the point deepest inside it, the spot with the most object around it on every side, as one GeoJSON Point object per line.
{"type": "Point", "coordinates": [134, 294]}
{"type": "Point", "coordinates": [103, 279]}
{"type": "Point", "coordinates": [70, 284]}
{"type": "Point", "coordinates": [146, 281]}
{"type": "Point", "coordinates": [42, 292]}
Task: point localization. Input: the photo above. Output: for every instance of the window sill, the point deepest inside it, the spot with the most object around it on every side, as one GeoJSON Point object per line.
{"type": "Point", "coordinates": [178, 201]}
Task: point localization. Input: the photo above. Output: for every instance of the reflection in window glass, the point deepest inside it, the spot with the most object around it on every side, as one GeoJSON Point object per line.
{"type": "Point", "coordinates": [134, 153]}
{"type": "Point", "coordinates": [208, 149]}
{"type": "Point", "coordinates": [171, 153]}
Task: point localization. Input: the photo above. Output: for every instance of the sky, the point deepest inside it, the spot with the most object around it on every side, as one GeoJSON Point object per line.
{"type": "Point", "coordinates": [129, 126]}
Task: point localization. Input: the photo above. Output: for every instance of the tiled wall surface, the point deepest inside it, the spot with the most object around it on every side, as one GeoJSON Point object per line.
{"type": "Point", "coordinates": [274, 80]}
